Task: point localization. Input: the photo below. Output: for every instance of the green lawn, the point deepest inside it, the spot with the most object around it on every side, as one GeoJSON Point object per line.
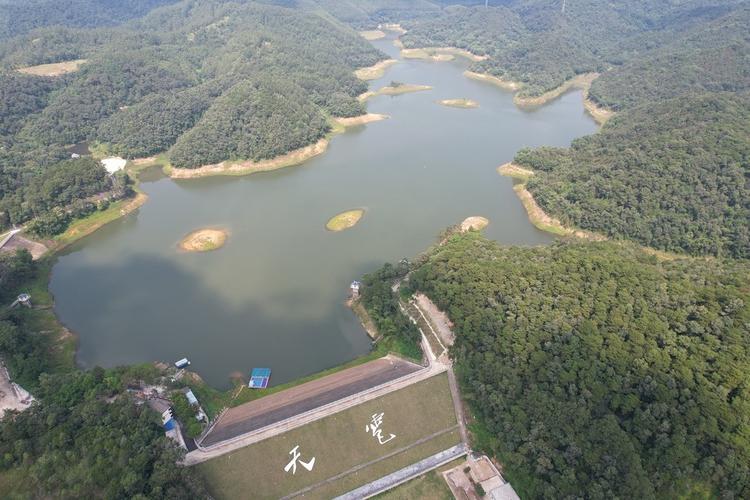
{"type": "Point", "coordinates": [339, 443]}
{"type": "Point", "coordinates": [430, 485]}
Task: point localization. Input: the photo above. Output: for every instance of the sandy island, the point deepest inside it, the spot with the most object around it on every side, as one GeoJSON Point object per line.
{"type": "Point", "coordinates": [439, 54]}
{"type": "Point", "coordinates": [394, 90]}
{"type": "Point", "coordinates": [204, 240]}
{"type": "Point", "coordinates": [371, 35]}
{"type": "Point", "coordinates": [459, 103]}
{"type": "Point", "coordinates": [375, 71]}
{"type": "Point", "coordinates": [345, 220]}
{"type": "Point", "coordinates": [474, 223]}
{"type": "Point", "coordinates": [53, 69]}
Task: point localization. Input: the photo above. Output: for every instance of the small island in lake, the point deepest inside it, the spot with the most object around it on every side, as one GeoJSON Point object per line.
{"type": "Point", "coordinates": [345, 220]}
{"type": "Point", "coordinates": [204, 240]}
{"type": "Point", "coordinates": [459, 103]}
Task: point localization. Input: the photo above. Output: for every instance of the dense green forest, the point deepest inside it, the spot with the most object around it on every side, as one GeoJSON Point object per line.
{"type": "Point", "coordinates": [18, 17]}
{"type": "Point", "coordinates": [598, 370]}
{"type": "Point", "coordinates": [534, 42]}
{"type": "Point", "coordinates": [204, 80]}
{"type": "Point", "coordinates": [87, 439]}
{"type": "Point", "coordinates": [673, 175]}
{"type": "Point", "coordinates": [382, 305]}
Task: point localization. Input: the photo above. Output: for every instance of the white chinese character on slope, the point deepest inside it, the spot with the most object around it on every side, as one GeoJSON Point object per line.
{"type": "Point", "coordinates": [293, 462]}
{"type": "Point", "coordinates": [374, 427]}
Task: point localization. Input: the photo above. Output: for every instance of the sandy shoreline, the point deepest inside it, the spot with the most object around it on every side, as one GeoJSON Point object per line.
{"type": "Point", "coordinates": [390, 90]}
{"type": "Point", "coordinates": [371, 35]}
{"type": "Point", "coordinates": [204, 240]}
{"type": "Point", "coordinates": [375, 71]}
{"type": "Point", "coordinates": [582, 82]}
{"type": "Point", "coordinates": [361, 120]}
{"type": "Point", "coordinates": [439, 54]}
{"type": "Point", "coordinates": [296, 157]}
{"type": "Point", "coordinates": [537, 216]}
{"type": "Point", "coordinates": [459, 103]}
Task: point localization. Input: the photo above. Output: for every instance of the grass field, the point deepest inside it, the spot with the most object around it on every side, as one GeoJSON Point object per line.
{"type": "Point", "coordinates": [430, 485]}
{"type": "Point", "coordinates": [339, 444]}
{"type": "Point", "coordinates": [54, 69]}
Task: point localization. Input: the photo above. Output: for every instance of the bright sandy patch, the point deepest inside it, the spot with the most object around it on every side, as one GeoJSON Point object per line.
{"type": "Point", "coordinates": [345, 220]}
{"type": "Point", "coordinates": [395, 27]}
{"type": "Point", "coordinates": [582, 81]}
{"type": "Point", "coordinates": [371, 35]}
{"type": "Point", "coordinates": [204, 240]}
{"type": "Point", "coordinates": [459, 103]}
{"type": "Point", "coordinates": [440, 54]}
{"type": "Point", "coordinates": [503, 84]}
{"type": "Point", "coordinates": [510, 169]}
{"type": "Point", "coordinates": [361, 120]}
{"type": "Point", "coordinates": [394, 90]}
{"type": "Point", "coordinates": [53, 69]}
{"type": "Point", "coordinates": [249, 166]}
{"type": "Point", "coordinates": [375, 71]}
{"type": "Point", "coordinates": [475, 223]}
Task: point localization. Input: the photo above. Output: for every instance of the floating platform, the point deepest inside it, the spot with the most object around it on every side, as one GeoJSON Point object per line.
{"type": "Point", "coordinates": [182, 363]}
{"type": "Point", "coordinates": [259, 378]}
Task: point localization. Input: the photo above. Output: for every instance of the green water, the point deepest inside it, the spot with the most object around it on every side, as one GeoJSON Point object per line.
{"type": "Point", "coordinates": [274, 295]}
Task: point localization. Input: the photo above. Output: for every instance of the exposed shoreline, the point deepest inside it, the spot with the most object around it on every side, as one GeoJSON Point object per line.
{"type": "Point", "coordinates": [537, 216]}
{"type": "Point", "coordinates": [204, 240]}
{"type": "Point", "coordinates": [439, 53]}
{"type": "Point", "coordinates": [375, 71]}
{"type": "Point", "coordinates": [391, 90]}
{"type": "Point", "coordinates": [372, 35]}
{"type": "Point", "coordinates": [289, 159]}
{"type": "Point", "coordinates": [345, 220]}
{"type": "Point", "coordinates": [582, 82]}
{"type": "Point", "coordinates": [459, 103]}
{"type": "Point", "coordinates": [361, 119]}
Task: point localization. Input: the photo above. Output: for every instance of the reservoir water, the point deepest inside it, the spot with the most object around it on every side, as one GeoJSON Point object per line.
{"type": "Point", "coordinates": [274, 295]}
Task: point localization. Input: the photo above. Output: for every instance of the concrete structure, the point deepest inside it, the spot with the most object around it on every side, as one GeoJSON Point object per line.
{"type": "Point", "coordinates": [354, 287]}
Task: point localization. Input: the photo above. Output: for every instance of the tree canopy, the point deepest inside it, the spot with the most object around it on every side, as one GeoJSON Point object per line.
{"type": "Point", "coordinates": [673, 175]}
{"type": "Point", "coordinates": [598, 369]}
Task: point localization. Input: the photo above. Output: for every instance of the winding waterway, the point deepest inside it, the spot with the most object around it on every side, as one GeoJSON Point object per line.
{"type": "Point", "coordinates": [273, 296]}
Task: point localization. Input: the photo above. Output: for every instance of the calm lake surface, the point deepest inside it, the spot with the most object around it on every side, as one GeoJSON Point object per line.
{"type": "Point", "coordinates": [274, 295]}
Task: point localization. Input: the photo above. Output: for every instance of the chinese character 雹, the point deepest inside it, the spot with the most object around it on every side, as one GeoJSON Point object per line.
{"type": "Point", "coordinates": [374, 427]}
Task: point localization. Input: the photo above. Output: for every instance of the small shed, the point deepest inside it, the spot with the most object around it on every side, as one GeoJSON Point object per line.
{"type": "Point", "coordinates": [355, 288]}
{"type": "Point", "coordinates": [191, 397]}
{"type": "Point", "coordinates": [259, 378]}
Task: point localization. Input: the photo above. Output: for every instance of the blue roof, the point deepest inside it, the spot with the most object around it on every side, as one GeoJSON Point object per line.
{"type": "Point", "coordinates": [261, 372]}
{"type": "Point", "coordinates": [259, 378]}
{"type": "Point", "coordinates": [169, 424]}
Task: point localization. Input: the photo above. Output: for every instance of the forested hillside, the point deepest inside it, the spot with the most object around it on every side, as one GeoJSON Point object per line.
{"type": "Point", "coordinates": [21, 16]}
{"type": "Point", "coordinates": [206, 81]}
{"type": "Point", "coordinates": [673, 175]}
{"type": "Point", "coordinates": [536, 43]}
{"type": "Point", "coordinates": [598, 370]}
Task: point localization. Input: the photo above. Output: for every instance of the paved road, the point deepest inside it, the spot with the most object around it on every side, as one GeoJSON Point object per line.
{"type": "Point", "coordinates": [7, 236]}
{"type": "Point", "coordinates": [392, 480]}
{"type": "Point", "coordinates": [305, 397]}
